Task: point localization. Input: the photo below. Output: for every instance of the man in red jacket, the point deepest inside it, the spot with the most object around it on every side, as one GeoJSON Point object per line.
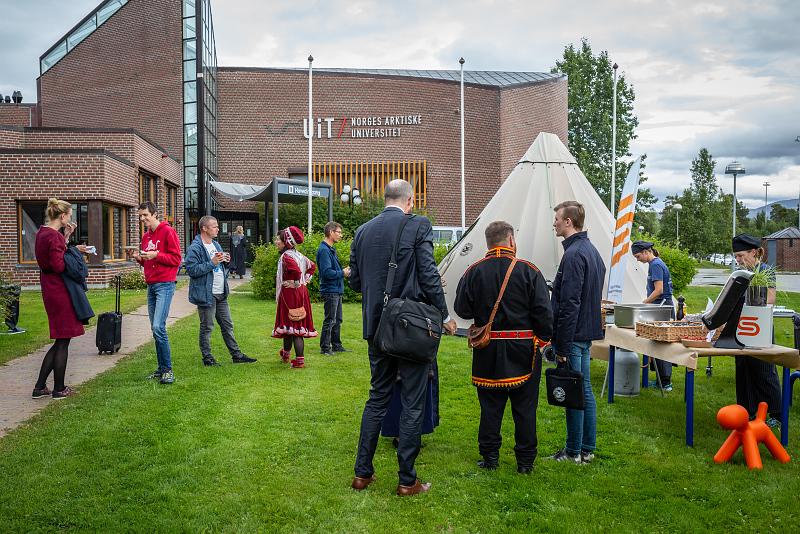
{"type": "Point", "coordinates": [160, 255]}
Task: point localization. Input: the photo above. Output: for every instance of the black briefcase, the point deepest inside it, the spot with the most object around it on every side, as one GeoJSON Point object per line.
{"type": "Point", "coordinates": [409, 330]}
{"type": "Point", "coordinates": [565, 387]}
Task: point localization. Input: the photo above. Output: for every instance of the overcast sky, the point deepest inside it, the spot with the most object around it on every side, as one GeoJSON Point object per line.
{"type": "Point", "coordinates": [720, 74]}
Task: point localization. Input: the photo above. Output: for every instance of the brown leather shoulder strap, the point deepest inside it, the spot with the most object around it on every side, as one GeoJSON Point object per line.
{"type": "Point", "coordinates": [502, 290]}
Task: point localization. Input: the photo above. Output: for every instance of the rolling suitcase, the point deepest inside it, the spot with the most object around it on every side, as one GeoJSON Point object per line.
{"type": "Point", "coordinates": [109, 326]}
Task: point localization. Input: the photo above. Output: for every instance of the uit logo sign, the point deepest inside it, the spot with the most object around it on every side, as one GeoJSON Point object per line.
{"type": "Point", "coordinates": [559, 394]}
{"type": "Point", "coordinates": [361, 127]}
{"type": "Point", "coordinates": [748, 326]}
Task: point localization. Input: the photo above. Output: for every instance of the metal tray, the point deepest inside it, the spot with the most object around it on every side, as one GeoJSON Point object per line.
{"type": "Point", "coordinates": [627, 315]}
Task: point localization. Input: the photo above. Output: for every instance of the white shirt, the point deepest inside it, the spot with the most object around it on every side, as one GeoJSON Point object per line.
{"type": "Point", "coordinates": [218, 287]}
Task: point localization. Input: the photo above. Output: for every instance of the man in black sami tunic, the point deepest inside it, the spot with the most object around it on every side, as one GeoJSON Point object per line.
{"type": "Point", "coordinates": [510, 366]}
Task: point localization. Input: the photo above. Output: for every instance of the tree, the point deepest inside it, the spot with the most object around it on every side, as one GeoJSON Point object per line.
{"type": "Point", "coordinates": [590, 107]}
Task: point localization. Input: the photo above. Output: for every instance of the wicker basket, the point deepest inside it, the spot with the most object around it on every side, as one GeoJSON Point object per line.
{"type": "Point", "coordinates": [670, 331]}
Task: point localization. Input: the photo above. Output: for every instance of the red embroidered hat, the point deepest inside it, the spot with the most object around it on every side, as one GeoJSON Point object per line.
{"type": "Point", "coordinates": [293, 236]}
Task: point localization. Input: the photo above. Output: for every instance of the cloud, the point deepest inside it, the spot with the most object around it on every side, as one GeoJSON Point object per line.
{"type": "Point", "coordinates": [721, 74]}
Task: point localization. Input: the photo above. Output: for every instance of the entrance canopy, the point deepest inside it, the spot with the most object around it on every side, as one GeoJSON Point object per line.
{"type": "Point", "coordinates": [279, 190]}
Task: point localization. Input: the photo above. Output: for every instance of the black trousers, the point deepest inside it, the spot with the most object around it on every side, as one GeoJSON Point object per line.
{"type": "Point", "coordinates": [524, 402]}
{"type": "Point", "coordinates": [414, 381]}
{"type": "Point", "coordinates": [757, 381]}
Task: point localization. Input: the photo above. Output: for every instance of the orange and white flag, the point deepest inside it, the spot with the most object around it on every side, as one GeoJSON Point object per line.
{"type": "Point", "coordinates": [622, 233]}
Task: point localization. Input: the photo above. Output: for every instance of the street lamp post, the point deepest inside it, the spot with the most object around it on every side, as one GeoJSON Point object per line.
{"type": "Point", "coordinates": [677, 207]}
{"type": "Point", "coordinates": [766, 201]}
{"type": "Point", "coordinates": [346, 197]}
{"type": "Point", "coordinates": [735, 168]}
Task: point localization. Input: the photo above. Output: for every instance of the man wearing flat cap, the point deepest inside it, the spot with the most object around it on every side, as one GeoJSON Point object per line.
{"type": "Point", "coordinates": [659, 291]}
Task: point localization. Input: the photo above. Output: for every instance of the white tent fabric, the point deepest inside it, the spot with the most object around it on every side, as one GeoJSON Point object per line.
{"type": "Point", "coordinates": [545, 176]}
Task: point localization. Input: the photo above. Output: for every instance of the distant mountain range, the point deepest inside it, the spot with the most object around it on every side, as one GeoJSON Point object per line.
{"type": "Point", "coordinates": [788, 203]}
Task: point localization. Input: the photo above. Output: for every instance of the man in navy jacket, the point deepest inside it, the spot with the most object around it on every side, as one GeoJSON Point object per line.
{"type": "Point", "coordinates": [331, 287]}
{"type": "Point", "coordinates": [207, 268]}
{"type": "Point", "coordinates": [417, 279]}
{"type": "Point", "coordinates": [575, 300]}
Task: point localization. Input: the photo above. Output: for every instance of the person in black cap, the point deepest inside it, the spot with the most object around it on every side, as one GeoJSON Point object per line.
{"type": "Point", "coordinates": [659, 291]}
{"type": "Point", "coordinates": [756, 380]}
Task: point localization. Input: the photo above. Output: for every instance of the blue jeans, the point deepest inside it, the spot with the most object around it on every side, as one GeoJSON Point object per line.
{"type": "Point", "coordinates": [159, 298]}
{"type": "Point", "coordinates": [582, 424]}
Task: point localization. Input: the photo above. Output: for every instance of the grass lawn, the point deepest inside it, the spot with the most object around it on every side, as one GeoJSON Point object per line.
{"type": "Point", "coordinates": [34, 320]}
{"type": "Point", "coordinates": [244, 448]}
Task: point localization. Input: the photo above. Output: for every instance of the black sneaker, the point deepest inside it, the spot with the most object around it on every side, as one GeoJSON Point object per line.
{"type": "Point", "coordinates": [563, 456]}
{"type": "Point", "coordinates": [340, 349]}
{"type": "Point", "coordinates": [326, 353]}
{"type": "Point", "coordinates": [41, 393]}
{"type": "Point", "coordinates": [155, 375]}
{"type": "Point", "coordinates": [167, 377]}
{"type": "Point", "coordinates": [64, 393]}
{"type": "Point", "coordinates": [524, 469]}
{"type": "Point", "coordinates": [244, 358]}
{"type": "Point", "coordinates": [209, 361]}
{"type": "Point", "coordinates": [587, 457]}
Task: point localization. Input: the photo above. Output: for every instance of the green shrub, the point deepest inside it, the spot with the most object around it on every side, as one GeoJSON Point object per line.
{"type": "Point", "coordinates": [265, 267]}
{"type": "Point", "coordinates": [682, 267]}
{"type": "Point", "coordinates": [133, 279]}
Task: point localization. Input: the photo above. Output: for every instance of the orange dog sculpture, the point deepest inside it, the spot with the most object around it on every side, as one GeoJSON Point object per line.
{"type": "Point", "coordinates": [748, 434]}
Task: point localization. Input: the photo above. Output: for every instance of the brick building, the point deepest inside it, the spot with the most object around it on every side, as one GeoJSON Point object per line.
{"type": "Point", "coordinates": [104, 173]}
{"type": "Point", "coordinates": [783, 249]}
{"type": "Point", "coordinates": [149, 68]}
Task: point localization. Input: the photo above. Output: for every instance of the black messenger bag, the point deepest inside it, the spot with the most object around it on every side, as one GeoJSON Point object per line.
{"type": "Point", "coordinates": [565, 387]}
{"type": "Point", "coordinates": [408, 329]}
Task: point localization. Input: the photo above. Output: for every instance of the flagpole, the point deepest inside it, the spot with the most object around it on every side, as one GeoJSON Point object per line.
{"type": "Point", "coordinates": [310, 140]}
{"type": "Point", "coordinates": [463, 194]}
{"type": "Point", "coordinates": [614, 147]}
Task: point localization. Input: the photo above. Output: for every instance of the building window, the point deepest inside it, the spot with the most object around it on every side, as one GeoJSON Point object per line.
{"type": "Point", "coordinates": [31, 217]}
{"type": "Point", "coordinates": [80, 216]}
{"type": "Point", "coordinates": [170, 203]}
{"type": "Point", "coordinates": [147, 187]}
{"type": "Point", "coordinates": [114, 232]}
{"type": "Point", "coordinates": [371, 177]}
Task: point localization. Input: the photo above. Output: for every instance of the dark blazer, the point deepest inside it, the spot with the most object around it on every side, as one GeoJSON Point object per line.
{"type": "Point", "coordinates": [74, 276]}
{"type": "Point", "coordinates": [417, 277]}
{"type": "Point", "coordinates": [577, 291]}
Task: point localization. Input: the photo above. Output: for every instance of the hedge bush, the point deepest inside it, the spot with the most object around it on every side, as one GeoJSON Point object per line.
{"type": "Point", "coordinates": [265, 267]}
{"type": "Point", "coordinates": [682, 267]}
{"type": "Point", "coordinates": [133, 280]}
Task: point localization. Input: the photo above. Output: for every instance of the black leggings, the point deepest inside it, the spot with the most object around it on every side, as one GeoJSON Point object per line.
{"type": "Point", "coordinates": [297, 341]}
{"type": "Point", "coordinates": [56, 361]}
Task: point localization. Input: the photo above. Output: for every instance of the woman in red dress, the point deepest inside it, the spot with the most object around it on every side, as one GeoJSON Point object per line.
{"type": "Point", "coordinates": [293, 321]}
{"type": "Point", "coordinates": [51, 245]}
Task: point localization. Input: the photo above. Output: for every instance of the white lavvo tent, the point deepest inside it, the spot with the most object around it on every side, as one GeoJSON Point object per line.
{"type": "Point", "coordinates": [545, 176]}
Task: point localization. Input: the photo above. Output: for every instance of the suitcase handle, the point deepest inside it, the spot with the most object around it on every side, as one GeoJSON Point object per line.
{"type": "Point", "coordinates": [118, 282]}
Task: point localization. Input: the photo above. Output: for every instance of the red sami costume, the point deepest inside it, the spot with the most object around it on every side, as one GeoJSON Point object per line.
{"type": "Point", "coordinates": [50, 249]}
{"type": "Point", "coordinates": [293, 267]}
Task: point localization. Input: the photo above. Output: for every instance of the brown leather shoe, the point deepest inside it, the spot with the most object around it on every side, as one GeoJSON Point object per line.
{"type": "Point", "coordinates": [418, 487]}
{"type": "Point", "coordinates": [361, 483]}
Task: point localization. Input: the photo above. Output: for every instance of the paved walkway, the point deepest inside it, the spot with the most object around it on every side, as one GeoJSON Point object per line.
{"type": "Point", "coordinates": [718, 277]}
{"type": "Point", "coordinates": [18, 376]}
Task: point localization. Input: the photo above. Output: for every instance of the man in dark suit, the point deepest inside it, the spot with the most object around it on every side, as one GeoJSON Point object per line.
{"type": "Point", "coordinates": [417, 279]}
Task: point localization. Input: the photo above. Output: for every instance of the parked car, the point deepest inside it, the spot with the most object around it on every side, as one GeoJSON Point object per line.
{"type": "Point", "coordinates": [446, 235]}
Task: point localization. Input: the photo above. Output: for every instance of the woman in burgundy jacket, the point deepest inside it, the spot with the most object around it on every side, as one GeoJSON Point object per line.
{"type": "Point", "coordinates": [51, 245]}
